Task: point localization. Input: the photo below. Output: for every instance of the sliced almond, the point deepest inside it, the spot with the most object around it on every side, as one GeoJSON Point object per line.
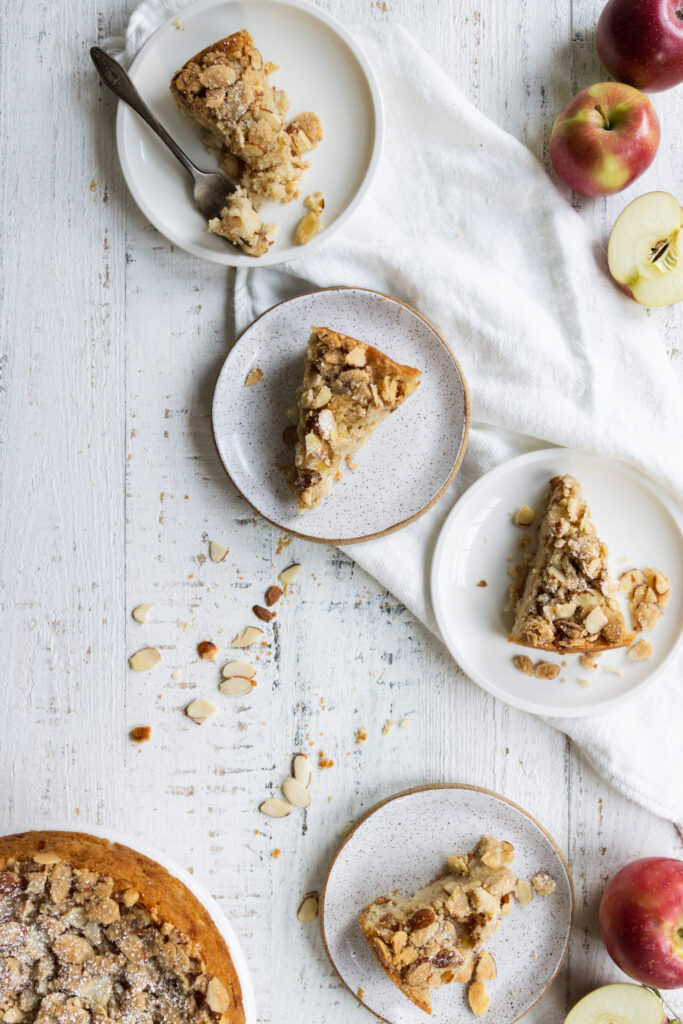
{"type": "Point", "coordinates": [217, 552]}
{"type": "Point", "coordinates": [524, 894]}
{"type": "Point", "coordinates": [485, 969]}
{"type": "Point", "coordinates": [296, 793]}
{"type": "Point", "coordinates": [478, 998]}
{"type": "Point", "coordinates": [301, 769]}
{"type": "Point", "coordinates": [308, 908]}
{"type": "Point", "coordinates": [273, 595]}
{"type": "Point", "coordinates": [289, 574]}
{"type": "Point", "coordinates": [262, 613]}
{"type": "Point", "coordinates": [595, 620]}
{"type": "Point", "coordinates": [247, 637]}
{"type": "Point", "coordinates": [217, 997]}
{"type": "Point", "coordinates": [236, 686]}
{"type": "Point", "coordinates": [274, 807]}
{"type": "Point", "coordinates": [45, 857]}
{"type": "Point", "coordinates": [207, 650]}
{"type": "Point", "coordinates": [238, 668]}
{"type": "Point", "coordinates": [253, 377]}
{"type": "Point", "coordinates": [145, 659]}
{"type": "Point", "coordinates": [141, 612]}
{"type": "Point", "coordinates": [660, 582]}
{"type": "Point", "coordinates": [199, 710]}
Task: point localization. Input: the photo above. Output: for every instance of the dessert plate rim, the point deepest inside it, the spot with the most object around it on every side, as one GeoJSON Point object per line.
{"type": "Point", "coordinates": [462, 514]}
{"type": "Point", "coordinates": [222, 386]}
{"type": "Point", "coordinates": [131, 132]}
{"type": "Point", "coordinates": [449, 786]}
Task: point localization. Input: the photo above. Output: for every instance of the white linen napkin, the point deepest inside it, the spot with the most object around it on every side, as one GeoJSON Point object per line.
{"type": "Point", "coordinates": [464, 224]}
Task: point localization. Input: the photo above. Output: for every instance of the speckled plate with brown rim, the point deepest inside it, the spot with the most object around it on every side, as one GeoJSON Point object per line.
{"type": "Point", "coordinates": [407, 464]}
{"type": "Point", "coordinates": [403, 843]}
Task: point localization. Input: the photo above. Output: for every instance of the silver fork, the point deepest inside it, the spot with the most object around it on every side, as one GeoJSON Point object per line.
{"type": "Point", "coordinates": [211, 189]}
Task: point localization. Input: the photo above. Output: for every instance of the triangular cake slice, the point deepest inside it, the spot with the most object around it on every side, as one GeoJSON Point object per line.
{"type": "Point", "coordinates": [568, 603]}
{"type": "Point", "coordinates": [436, 936]}
{"type": "Point", "coordinates": [348, 389]}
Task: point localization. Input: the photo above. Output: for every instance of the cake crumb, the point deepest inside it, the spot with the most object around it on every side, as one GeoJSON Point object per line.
{"type": "Point", "coordinates": [361, 735]}
{"type": "Point", "coordinates": [524, 516]}
{"type": "Point", "coordinates": [387, 727]}
{"type": "Point", "coordinates": [350, 463]}
{"type": "Point", "coordinates": [584, 682]}
{"type": "Point", "coordinates": [404, 723]}
{"type": "Point", "coordinates": [141, 733]}
{"type": "Point", "coordinates": [482, 583]}
{"type": "Point", "coordinates": [613, 670]}
{"type": "Point", "coordinates": [276, 853]}
{"type": "Point", "coordinates": [324, 761]}
{"type": "Point", "coordinates": [524, 664]}
{"type": "Point", "coordinates": [546, 670]}
{"type": "Point", "coordinates": [641, 651]}
{"type": "Point", "coordinates": [589, 661]}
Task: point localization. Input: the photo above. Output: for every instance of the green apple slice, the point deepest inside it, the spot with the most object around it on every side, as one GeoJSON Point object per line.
{"type": "Point", "coordinates": [618, 1004]}
{"type": "Point", "coordinates": [645, 251]}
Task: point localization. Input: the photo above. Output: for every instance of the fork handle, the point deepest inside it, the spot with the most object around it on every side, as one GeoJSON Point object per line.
{"type": "Point", "coordinates": [116, 78]}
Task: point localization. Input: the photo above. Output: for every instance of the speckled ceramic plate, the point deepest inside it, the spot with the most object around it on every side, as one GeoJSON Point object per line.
{"type": "Point", "coordinates": [478, 542]}
{"type": "Point", "coordinates": [403, 843]}
{"type": "Point", "coordinates": [402, 470]}
{"type": "Point", "coordinates": [321, 68]}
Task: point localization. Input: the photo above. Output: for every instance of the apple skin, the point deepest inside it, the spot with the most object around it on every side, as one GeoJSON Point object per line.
{"type": "Point", "coordinates": [641, 921]}
{"type": "Point", "coordinates": [641, 42]}
{"type": "Point", "coordinates": [604, 139]}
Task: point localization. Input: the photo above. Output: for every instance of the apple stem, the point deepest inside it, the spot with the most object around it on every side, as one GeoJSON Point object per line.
{"type": "Point", "coordinates": [605, 120]}
{"type": "Point", "coordinates": [676, 1017]}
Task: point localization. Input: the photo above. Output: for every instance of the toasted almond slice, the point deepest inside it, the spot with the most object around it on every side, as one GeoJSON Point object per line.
{"type": "Point", "coordinates": [274, 807]}
{"type": "Point", "coordinates": [308, 908]}
{"type": "Point", "coordinates": [141, 612]}
{"type": "Point", "coordinates": [145, 659]}
{"type": "Point", "coordinates": [239, 668]}
{"type": "Point", "coordinates": [296, 793]}
{"type": "Point", "coordinates": [199, 710]}
{"type": "Point", "coordinates": [253, 377]}
{"type": "Point", "coordinates": [247, 637]}
{"type": "Point", "coordinates": [45, 857]}
{"type": "Point", "coordinates": [524, 893]}
{"type": "Point", "coordinates": [289, 574]}
{"type": "Point", "coordinates": [301, 769]}
{"type": "Point", "coordinates": [216, 551]}
{"type": "Point", "coordinates": [478, 998]}
{"type": "Point", "coordinates": [217, 998]}
{"type": "Point", "coordinates": [485, 969]}
{"type": "Point", "coordinates": [207, 650]}
{"type": "Point", "coordinates": [236, 686]}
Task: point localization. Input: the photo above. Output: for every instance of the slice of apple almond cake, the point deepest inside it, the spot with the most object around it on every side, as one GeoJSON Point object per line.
{"type": "Point", "coordinates": [436, 936]}
{"type": "Point", "coordinates": [568, 603]}
{"type": "Point", "coordinates": [348, 389]}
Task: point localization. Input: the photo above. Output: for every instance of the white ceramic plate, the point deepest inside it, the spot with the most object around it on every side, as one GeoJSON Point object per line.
{"type": "Point", "coordinates": [403, 843]}
{"type": "Point", "coordinates": [196, 888]}
{"type": "Point", "coordinates": [321, 68]}
{"type": "Point", "coordinates": [641, 526]}
{"type": "Point", "coordinates": [401, 471]}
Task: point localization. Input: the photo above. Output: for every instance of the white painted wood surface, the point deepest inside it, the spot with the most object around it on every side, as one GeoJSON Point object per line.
{"type": "Point", "coordinates": [110, 488]}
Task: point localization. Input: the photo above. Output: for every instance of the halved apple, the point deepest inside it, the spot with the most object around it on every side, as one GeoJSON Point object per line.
{"type": "Point", "coordinates": [618, 1004]}
{"type": "Point", "coordinates": [645, 251]}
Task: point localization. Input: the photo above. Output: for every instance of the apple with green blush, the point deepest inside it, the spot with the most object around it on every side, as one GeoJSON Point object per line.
{"type": "Point", "coordinates": [604, 139]}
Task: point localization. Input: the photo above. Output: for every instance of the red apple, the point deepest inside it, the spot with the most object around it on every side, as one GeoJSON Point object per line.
{"type": "Point", "coordinates": [641, 42]}
{"type": "Point", "coordinates": [641, 921]}
{"type": "Point", "coordinates": [605, 137]}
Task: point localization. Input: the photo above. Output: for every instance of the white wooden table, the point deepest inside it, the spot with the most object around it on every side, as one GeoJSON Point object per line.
{"type": "Point", "coordinates": [110, 488]}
